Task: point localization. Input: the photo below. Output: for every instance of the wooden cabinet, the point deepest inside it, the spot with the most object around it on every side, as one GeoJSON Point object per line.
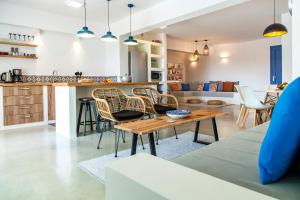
{"type": "Point", "coordinates": [22, 91]}
{"type": "Point", "coordinates": [51, 103]}
{"type": "Point", "coordinates": [22, 105]}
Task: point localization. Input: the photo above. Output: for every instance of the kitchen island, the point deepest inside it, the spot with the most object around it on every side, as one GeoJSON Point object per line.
{"type": "Point", "coordinates": [67, 104]}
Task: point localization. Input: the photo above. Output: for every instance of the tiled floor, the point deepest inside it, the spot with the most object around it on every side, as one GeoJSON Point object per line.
{"type": "Point", "coordinates": [37, 163]}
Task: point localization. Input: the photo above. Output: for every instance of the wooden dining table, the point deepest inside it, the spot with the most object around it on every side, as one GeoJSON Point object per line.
{"type": "Point", "coordinates": [149, 126]}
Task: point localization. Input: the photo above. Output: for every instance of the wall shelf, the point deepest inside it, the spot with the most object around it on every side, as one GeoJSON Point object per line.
{"type": "Point", "coordinates": [149, 42]}
{"type": "Point", "coordinates": [18, 43]}
{"type": "Point", "coordinates": [10, 56]}
{"type": "Point", "coordinates": [155, 56]}
{"type": "Point", "coordinates": [157, 69]}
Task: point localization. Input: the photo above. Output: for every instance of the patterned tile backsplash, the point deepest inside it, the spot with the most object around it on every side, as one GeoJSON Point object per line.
{"type": "Point", "coordinates": [50, 79]}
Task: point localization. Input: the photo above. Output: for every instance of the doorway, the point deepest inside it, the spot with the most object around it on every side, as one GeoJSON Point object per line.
{"type": "Point", "coordinates": [276, 64]}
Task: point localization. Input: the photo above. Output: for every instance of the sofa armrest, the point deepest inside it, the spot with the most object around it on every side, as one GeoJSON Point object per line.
{"type": "Point", "coordinates": [150, 178]}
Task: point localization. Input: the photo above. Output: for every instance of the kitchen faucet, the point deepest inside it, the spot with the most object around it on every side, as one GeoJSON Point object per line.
{"type": "Point", "coordinates": [54, 73]}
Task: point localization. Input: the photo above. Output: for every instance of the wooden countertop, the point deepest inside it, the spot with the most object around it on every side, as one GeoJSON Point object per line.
{"type": "Point", "coordinates": [25, 84]}
{"type": "Point", "coordinates": [75, 84]}
{"type": "Point", "coordinates": [104, 84]}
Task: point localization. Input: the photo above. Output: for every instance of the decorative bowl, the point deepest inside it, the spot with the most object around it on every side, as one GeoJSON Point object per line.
{"type": "Point", "coordinates": [178, 114]}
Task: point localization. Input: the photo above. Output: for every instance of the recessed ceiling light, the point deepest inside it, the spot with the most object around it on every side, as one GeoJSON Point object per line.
{"type": "Point", "coordinates": [74, 4]}
{"type": "Point", "coordinates": [163, 27]}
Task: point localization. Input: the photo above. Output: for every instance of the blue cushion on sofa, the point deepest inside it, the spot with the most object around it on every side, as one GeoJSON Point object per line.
{"type": "Point", "coordinates": [206, 87]}
{"type": "Point", "coordinates": [185, 87]}
{"type": "Point", "coordinates": [281, 144]}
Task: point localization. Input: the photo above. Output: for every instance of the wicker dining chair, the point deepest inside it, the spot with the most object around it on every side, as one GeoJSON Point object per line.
{"type": "Point", "coordinates": [114, 105]}
{"type": "Point", "coordinates": [156, 103]}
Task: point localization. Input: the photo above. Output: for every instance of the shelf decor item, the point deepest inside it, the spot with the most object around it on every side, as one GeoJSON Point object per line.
{"type": "Point", "coordinates": [275, 29]}
{"type": "Point", "coordinates": [130, 41]}
{"type": "Point", "coordinates": [196, 54]}
{"type": "Point", "coordinates": [85, 32]}
{"type": "Point", "coordinates": [178, 114]}
{"type": "Point", "coordinates": [108, 37]}
{"type": "Point", "coordinates": [206, 49]}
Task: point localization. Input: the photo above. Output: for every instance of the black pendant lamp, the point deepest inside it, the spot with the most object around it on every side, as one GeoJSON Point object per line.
{"type": "Point", "coordinates": [196, 54]}
{"type": "Point", "coordinates": [275, 29]}
{"type": "Point", "coordinates": [130, 41]}
{"type": "Point", "coordinates": [205, 49]}
{"type": "Point", "coordinates": [108, 37]}
{"type": "Point", "coordinates": [85, 32]}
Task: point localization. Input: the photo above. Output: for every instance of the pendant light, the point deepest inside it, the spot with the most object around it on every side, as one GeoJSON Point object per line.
{"type": "Point", "coordinates": [205, 49]}
{"type": "Point", "coordinates": [108, 37]}
{"type": "Point", "coordinates": [275, 29]}
{"type": "Point", "coordinates": [130, 40]}
{"type": "Point", "coordinates": [85, 32]}
{"type": "Point", "coordinates": [196, 54]}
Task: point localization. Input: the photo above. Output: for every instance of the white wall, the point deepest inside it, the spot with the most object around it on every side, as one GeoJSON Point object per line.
{"type": "Point", "coordinates": [296, 39]}
{"type": "Point", "coordinates": [63, 52]}
{"type": "Point", "coordinates": [287, 58]}
{"type": "Point", "coordinates": [178, 45]}
{"type": "Point", "coordinates": [247, 62]}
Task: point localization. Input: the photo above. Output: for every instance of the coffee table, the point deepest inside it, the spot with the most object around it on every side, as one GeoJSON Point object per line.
{"type": "Point", "coordinates": [149, 126]}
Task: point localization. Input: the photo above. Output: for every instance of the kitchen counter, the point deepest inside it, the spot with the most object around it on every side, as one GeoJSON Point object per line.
{"type": "Point", "coordinates": [94, 84]}
{"type": "Point", "coordinates": [67, 103]}
{"type": "Point", "coordinates": [76, 84]}
{"type": "Point", "coordinates": [25, 84]}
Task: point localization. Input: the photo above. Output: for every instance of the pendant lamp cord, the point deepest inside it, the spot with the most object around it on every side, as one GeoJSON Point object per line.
{"type": "Point", "coordinates": [130, 19]}
{"type": "Point", "coordinates": [108, 15]}
{"type": "Point", "coordinates": [84, 13]}
{"type": "Point", "coordinates": [274, 10]}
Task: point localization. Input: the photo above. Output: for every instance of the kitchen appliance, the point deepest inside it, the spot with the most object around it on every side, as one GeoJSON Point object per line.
{"type": "Point", "coordinates": [156, 76]}
{"type": "Point", "coordinates": [7, 77]}
{"type": "Point", "coordinates": [17, 75]}
{"type": "Point", "coordinates": [137, 66]}
{"type": "Point", "coordinates": [125, 78]}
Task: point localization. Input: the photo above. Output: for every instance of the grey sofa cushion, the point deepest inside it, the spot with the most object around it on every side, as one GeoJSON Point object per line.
{"type": "Point", "coordinates": [236, 160]}
{"type": "Point", "coordinates": [213, 94]}
{"type": "Point", "coordinates": [182, 93]}
{"type": "Point", "coordinates": [193, 86]}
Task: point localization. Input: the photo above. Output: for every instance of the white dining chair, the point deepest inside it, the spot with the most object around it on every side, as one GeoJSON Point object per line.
{"type": "Point", "coordinates": [252, 104]}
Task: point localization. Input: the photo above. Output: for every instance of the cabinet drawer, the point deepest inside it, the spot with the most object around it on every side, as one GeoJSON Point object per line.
{"type": "Point", "coordinates": [23, 119]}
{"type": "Point", "coordinates": [22, 91]}
{"type": "Point", "coordinates": [23, 109]}
{"type": "Point", "coordinates": [22, 100]}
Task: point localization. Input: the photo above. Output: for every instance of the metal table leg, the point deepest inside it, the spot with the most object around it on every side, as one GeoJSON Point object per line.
{"type": "Point", "coordinates": [134, 143]}
{"type": "Point", "coordinates": [152, 144]}
{"type": "Point", "coordinates": [214, 129]}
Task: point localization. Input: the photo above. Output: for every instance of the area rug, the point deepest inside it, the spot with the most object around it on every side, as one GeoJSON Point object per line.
{"type": "Point", "coordinates": [168, 149]}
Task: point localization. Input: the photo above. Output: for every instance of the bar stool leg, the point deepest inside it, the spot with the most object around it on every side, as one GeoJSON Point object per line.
{"type": "Point", "coordinates": [91, 119]}
{"type": "Point", "coordinates": [117, 139]}
{"type": "Point", "coordinates": [123, 136]}
{"type": "Point", "coordinates": [97, 117]}
{"type": "Point", "coordinates": [79, 118]}
{"type": "Point", "coordinates": [175, 132]}
{"type": "Point", "coordinates": [100, 138]}
{"type": "Point", "coordinates": [84, 122]}
{"type": "Point", "coordinates": [142, 142]}
{"type": "Point", "coordinates": [157, 137]}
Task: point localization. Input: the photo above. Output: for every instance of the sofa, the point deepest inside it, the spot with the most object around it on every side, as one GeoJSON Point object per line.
{"type": "Point", "coordinates": [227, 169]}
{"type": "Point", "coordinates": [197, 90]}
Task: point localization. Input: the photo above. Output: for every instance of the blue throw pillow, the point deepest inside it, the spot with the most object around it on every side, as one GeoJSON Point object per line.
{"type": "Point", "coordinates": [185, 87]}
{"type": "Point", "coordinates": [281, 144]}
{"type": "Point", "coordinates": [206, 87]}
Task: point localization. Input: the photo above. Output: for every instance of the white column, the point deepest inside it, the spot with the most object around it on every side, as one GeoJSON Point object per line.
{"type": "Point", "coordinates": [287, 45]}
{"type": "Point", "coordinates": [65, 109]}
{"type": "Point", "coordinates": [296, 38]}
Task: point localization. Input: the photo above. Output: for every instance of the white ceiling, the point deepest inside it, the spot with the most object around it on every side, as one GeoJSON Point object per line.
{"type": "Point", "coordinates": [239, 23]}
{"type": "Point", "coordinates": [97, 9]}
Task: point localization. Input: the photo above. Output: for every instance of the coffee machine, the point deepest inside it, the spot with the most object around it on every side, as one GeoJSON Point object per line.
{"type": "Point", "coordinates": [17, 75]}
{"type": "Point", "coordinates": [7, 77]}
